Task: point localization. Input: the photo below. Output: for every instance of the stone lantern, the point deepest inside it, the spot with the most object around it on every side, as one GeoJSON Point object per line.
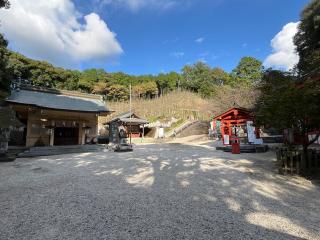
{"type": "Point", "coordinates": [8, 122]}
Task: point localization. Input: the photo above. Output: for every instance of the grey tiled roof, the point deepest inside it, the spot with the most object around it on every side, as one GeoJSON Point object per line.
{"type": "Point", "coordinates": [125, 118]}
{"type": "Point", "coordinates": [134, 120]}
{"type": "Point", "coordinates": [122, 115]}
{"type": "Point", "coordinates": [59, 101]}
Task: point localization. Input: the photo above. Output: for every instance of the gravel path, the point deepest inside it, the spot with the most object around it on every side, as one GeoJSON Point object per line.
{"type": "Point", "coordinates": [169, 191]}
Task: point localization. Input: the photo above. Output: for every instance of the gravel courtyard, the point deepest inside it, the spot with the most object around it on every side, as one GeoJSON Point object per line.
{"type": "Point", "coordinates": [168, 191]}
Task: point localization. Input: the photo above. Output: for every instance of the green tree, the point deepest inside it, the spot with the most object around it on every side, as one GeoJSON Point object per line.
{"type": "Point", "coordinates": [284, 104]}
{"type": "Point", "coordinates": [146, 90]}
{"type": "Point", "coordinates": [5, 73]}
{"type": "Point", "coordinates": [307, 39]}
{"type": "Point", "coordinates": [4, 4]}
{"type": "Point", "coordinates": [194, 75]}
{"type": "Point", "coordinates": [119, 78]}
{"type": "Point", "coordinates": [90, 77]}
{"type": "Point", "coordinates": [18, 65]}
{"type": "Point", "coordinates": [117, 92]}
{"type": "Point", "coordinates": [220, 77]}
{"type": "Point", "coordinates": [203, 79]}
{"type": "Point", "coordinates": [248, 72]}
{"type": "Point", "coordinates": [69, 80]}
{"type": "Point", "coordinates": [100, 88]}
{"type": "Point", "coordinates": [42, 73]}
{"type": "Point", "coordinates": [274, 107]}
{"type": "Point", "coordinates": [167, 82]}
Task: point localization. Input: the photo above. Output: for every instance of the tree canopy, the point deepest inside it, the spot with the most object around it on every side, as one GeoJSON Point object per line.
{"type": "Point", "coordinates": [199, 77]}
{"type": "Point", "coordinates": [307, 40]}
{"type": "Point", "coordinates": [290, 100]}
{"type": "Point", "coordinates": [4, 4]}
{"type": "Point", "coordinates": [248, 72]}
{"type": "Point", "coordinates": [284, 104]}
{"type": "Point", "coordinates": [203, 79]}
{"type": "Point", "coordinates": [5, 73]}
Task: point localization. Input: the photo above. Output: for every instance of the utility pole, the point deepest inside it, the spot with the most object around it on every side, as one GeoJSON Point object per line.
{"type": "Point", "coordinates": [130, 107]}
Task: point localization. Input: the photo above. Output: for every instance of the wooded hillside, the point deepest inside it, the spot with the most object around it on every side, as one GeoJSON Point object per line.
{"type": "Point", "coordinates": [198, 78]}
{"type": "Point", "coordinates": [198, 90]}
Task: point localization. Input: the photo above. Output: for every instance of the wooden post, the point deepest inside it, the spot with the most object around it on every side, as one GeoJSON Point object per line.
{"type": "Point", "coordinates": [286, 162]}
{"type": "Point", "coordinates": [51, 141]}
{"type": "Point", "coordinates": [130, 112]}
{"type": "Point", "coordinates": [298, 163]}
{"type": "Point", "coordinates": [309, 163]}
{"type": "Point", "coordinates": [83, 134]}
{"type": "Point", "coordinates": [291, 162]}
{"type": "Point", "coordinates": [142, 132]}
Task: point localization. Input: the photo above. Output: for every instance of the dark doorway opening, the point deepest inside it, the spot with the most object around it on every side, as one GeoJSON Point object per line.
{"type": "Point", "coordinates": [66, 136]}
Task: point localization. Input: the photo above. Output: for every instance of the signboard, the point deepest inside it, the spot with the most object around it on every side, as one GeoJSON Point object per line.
{"type": "Point", "coordinates": [226, 140]}
{"type": "Point", "coordinates": [252, 135]}
{"type": "Point", "coordinates": [250, 131]}
{"type": "Point", "coordinates": [218, 127]}
{"type": "Point", "coordinates": [161, 132]}
{"type": "Point", "coordinates": [114, 132]}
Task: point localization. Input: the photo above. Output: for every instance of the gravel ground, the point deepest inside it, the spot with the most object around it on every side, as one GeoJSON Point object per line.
{"type": "Point", "coordinates": [168, 191]}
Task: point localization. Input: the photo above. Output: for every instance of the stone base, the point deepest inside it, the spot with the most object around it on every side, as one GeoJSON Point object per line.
{"type": "Point", "coordinates": [6, 158]}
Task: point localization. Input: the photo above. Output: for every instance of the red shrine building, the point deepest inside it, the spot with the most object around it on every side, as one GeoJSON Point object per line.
{"type": "Point", "coordinates": [236, 124]}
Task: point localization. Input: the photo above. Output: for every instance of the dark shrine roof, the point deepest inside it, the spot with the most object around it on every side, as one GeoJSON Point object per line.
{"type": "Point", "coordinates": [125, 118]}
{"type": "Point", "coordinates": [58, 100]}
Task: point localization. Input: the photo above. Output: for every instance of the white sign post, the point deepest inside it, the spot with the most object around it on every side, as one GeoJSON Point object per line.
{"type": "Point", "coordinates": [226, 139]}
{"type": "Point", "coordinates": [251, 134]}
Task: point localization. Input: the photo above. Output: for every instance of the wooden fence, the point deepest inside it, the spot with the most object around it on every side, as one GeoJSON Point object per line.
{"type": "Point", "coordinates": [295, 162]}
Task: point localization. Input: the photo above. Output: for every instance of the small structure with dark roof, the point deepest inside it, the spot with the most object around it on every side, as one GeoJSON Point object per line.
{"type": "Point", "coordinates": [129, 122]}
{"type": "Point", "coordinates": [55, 117]}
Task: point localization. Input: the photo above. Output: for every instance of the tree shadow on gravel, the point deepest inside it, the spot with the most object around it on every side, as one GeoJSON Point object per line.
{"type": "Point", "coordinates": [168, 191]}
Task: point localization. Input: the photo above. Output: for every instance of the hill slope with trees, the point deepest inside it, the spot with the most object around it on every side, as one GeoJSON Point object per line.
{"type": "Point", "coordinates": [199, 78]}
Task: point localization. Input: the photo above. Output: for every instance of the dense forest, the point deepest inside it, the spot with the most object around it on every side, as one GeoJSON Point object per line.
{"type": "Point", "coordinates": [199, 78]}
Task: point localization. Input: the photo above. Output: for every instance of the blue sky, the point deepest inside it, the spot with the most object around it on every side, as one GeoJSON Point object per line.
{"type": "Point", "coordinates": [158, 36]}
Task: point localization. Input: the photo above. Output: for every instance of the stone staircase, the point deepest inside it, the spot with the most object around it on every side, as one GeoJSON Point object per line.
{"type": "Point", "coordinates": [180, 128]}
{"type": "Point", "coordinates": [59, 150]}
{"type": "Point", "coordinates": [195, 128]}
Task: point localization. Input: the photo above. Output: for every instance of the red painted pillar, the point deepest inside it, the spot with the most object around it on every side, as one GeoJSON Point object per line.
{"type": "Point", "coordinates": [222, 130]}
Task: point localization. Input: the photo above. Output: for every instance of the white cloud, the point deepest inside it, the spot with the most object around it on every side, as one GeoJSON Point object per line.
{"type": "Point", "coordinates": [135, 5]}
{"type": "Point", "coordinates": [177, 55]}
{"type": "Point", "coordinates": [199, 40]}
{"type": "Point", "coordinates": [284, 54]}
{"type": "Point", "coordinates": [52, 30]}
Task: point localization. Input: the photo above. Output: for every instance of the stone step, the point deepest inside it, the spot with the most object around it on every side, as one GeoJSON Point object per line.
{"type": "Point", "coordinates": [66, 147]}
{"type": "Point", "coordinates": [4, 157]}
{"type": "Point", "coordinates": [246, 148]}
{"type": "Point", "coordinates": [59, 150]}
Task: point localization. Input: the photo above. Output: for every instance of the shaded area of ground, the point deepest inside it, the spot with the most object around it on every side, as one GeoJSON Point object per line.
{"type": "Point", "coordinates": [168, 191]}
